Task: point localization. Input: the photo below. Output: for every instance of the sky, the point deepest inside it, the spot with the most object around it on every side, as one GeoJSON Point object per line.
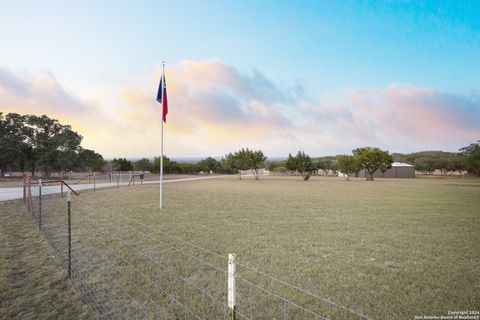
{"type": "Point", "coordinates": [280, 76]}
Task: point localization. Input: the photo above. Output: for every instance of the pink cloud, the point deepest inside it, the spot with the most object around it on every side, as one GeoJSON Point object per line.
{"type": "Point", "coordinates": [400, 117]}
{"type": "Point", "coordinates": [215, 108]}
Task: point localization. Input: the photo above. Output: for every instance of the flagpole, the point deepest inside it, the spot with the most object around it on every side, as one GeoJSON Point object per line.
{"type": "Point", "coordinates": [161, 143]}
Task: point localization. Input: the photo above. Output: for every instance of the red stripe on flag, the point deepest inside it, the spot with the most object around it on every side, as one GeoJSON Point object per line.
{"type": "Point", "coordinates": [165, 102]}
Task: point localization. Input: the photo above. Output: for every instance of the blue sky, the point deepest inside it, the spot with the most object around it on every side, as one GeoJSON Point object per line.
{"type": "Point", "coordinates": [317, 53]}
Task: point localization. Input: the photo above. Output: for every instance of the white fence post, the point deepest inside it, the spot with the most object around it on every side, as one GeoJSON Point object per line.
{"type": "Point", "coordinates": [232, 295]}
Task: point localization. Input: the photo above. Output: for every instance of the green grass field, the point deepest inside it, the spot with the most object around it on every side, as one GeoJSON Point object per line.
{"type": "Point", "coordinates": [390, 249]}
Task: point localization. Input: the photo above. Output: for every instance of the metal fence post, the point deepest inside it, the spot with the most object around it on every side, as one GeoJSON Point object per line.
{"type": "Point", "coordinates": [24, 190]}
{"type": "Point", "coordinates": [157, 309]}
{"type": "Point", "coordinates": [39, 204]}
{"type": "Point", "coordinates": [94, 182]}
{"type": "Point", "coordinates": [232, 295]}
{"type": "Point", "coordinates": [69, 206]}
{"type": "Point", "coordinates": [30, 204]}
{"type": "Point", "coordinates": [61, 185]}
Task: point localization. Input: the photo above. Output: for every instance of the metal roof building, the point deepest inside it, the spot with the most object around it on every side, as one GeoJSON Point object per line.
{"type": "Point", "coordinates": [398, 170]}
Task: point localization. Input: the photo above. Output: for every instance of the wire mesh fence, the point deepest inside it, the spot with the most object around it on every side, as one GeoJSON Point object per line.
{"type": "Point", "coordinates": [123, 268]}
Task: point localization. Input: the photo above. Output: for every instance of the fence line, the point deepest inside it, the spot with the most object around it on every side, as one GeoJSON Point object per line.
{"type": "Point", "coordinates": [362, 316]}
{"type": "Point", "coordinates": [125, 271]}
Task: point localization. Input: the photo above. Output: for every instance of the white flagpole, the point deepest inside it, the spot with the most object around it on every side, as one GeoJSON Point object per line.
{"type": "Point", "coordinates": [161, 144]}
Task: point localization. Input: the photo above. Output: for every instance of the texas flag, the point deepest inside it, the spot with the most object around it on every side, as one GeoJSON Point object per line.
{"type": "Point", "coordinates": [162, 93]}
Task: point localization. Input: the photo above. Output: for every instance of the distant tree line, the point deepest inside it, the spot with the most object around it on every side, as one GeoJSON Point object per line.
{"type": "Point", "coordinates": [39, 143]}
{"type": "Point", "coordinates": [426, 162]}
{"type": "Point", "coordinates": [445, 163]}
{"type": "Point", "coordinates": [206, 165]}
{"type": "Point", "coordinates": [237, 162]}
{"type": "Point", "coordinates": [368, 159]}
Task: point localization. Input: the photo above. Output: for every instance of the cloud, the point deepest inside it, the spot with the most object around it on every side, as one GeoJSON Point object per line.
{"type": "Point", "coordinates": [215, 92]}
{"type": "Point", "coordinates": [398, 118]}
{"type": "Point", "coordinates": [215, 108]}
{"type": "Point", "coordinates": [408, 117]}
{"type": "Point", "coordinates": [40, 91]}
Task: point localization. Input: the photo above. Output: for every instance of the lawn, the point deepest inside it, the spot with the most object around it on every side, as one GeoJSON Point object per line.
{"type": "Point", "coordinates": [390, 249]}
{"type": "Point", "coordinates": [32, 284]}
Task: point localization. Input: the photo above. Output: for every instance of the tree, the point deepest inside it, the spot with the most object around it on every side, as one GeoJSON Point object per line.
{"type": "Point", "coordinates": [12, 140]}
{"type": "Point", "coordinates": [302, 163]}
{"type": "Point", "coordinates": [455, 162]}
{"type": "Point", "coordinates": [230, 163]}
{"type": "Point", "coordinates": [168, 166]}
{"type": "Point", "coordinates": [142, 164]}
{"type": "Point", "coordinates": [89, 160]}
{"type": "Point", "coordinates": [325, 165]}
{"type": "Point", "coordinates": [272, 165]}
{"type": "Point", "coordinates": [250, 160]}
{"type": "Point", "coordinates": [458, 164]}
{"type": "Point", "coordinates": [256, 160]}
{"type": "Point", "coordinates": [209, 164]}
{"type": "Point", "coordinates": [66, 161]}
{"type": "Point", "coordinates": [334, 167]}
{"type": "Point", "coordinates": [373, 159]}
{"type": "Point", "coordinates": [425, 165]}
{"type": "Point", "coordinates": [121, 164]}
{"type": "Point", "coordinates": [243, 160]}
{"type": "Point", "coordinates": [349, 165]}
{"type": "Point", "coordinates": [188, 168]}
{"type": "Point", "coordinates": [30, 142]}
{"type": "Point", "coordinates": [428, 162]}
{"type": "Point", "coordinates": [51, 140]}
{"type": "Point", "coordinates": [291, 163]}
{"type": "Point", "coordinates": [472, 158]}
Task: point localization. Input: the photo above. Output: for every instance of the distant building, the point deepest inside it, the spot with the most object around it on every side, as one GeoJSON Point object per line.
{"type": "Point", "coordinates": [261, 172]}
{"type": "Point", "coordinates": [398, 170]}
